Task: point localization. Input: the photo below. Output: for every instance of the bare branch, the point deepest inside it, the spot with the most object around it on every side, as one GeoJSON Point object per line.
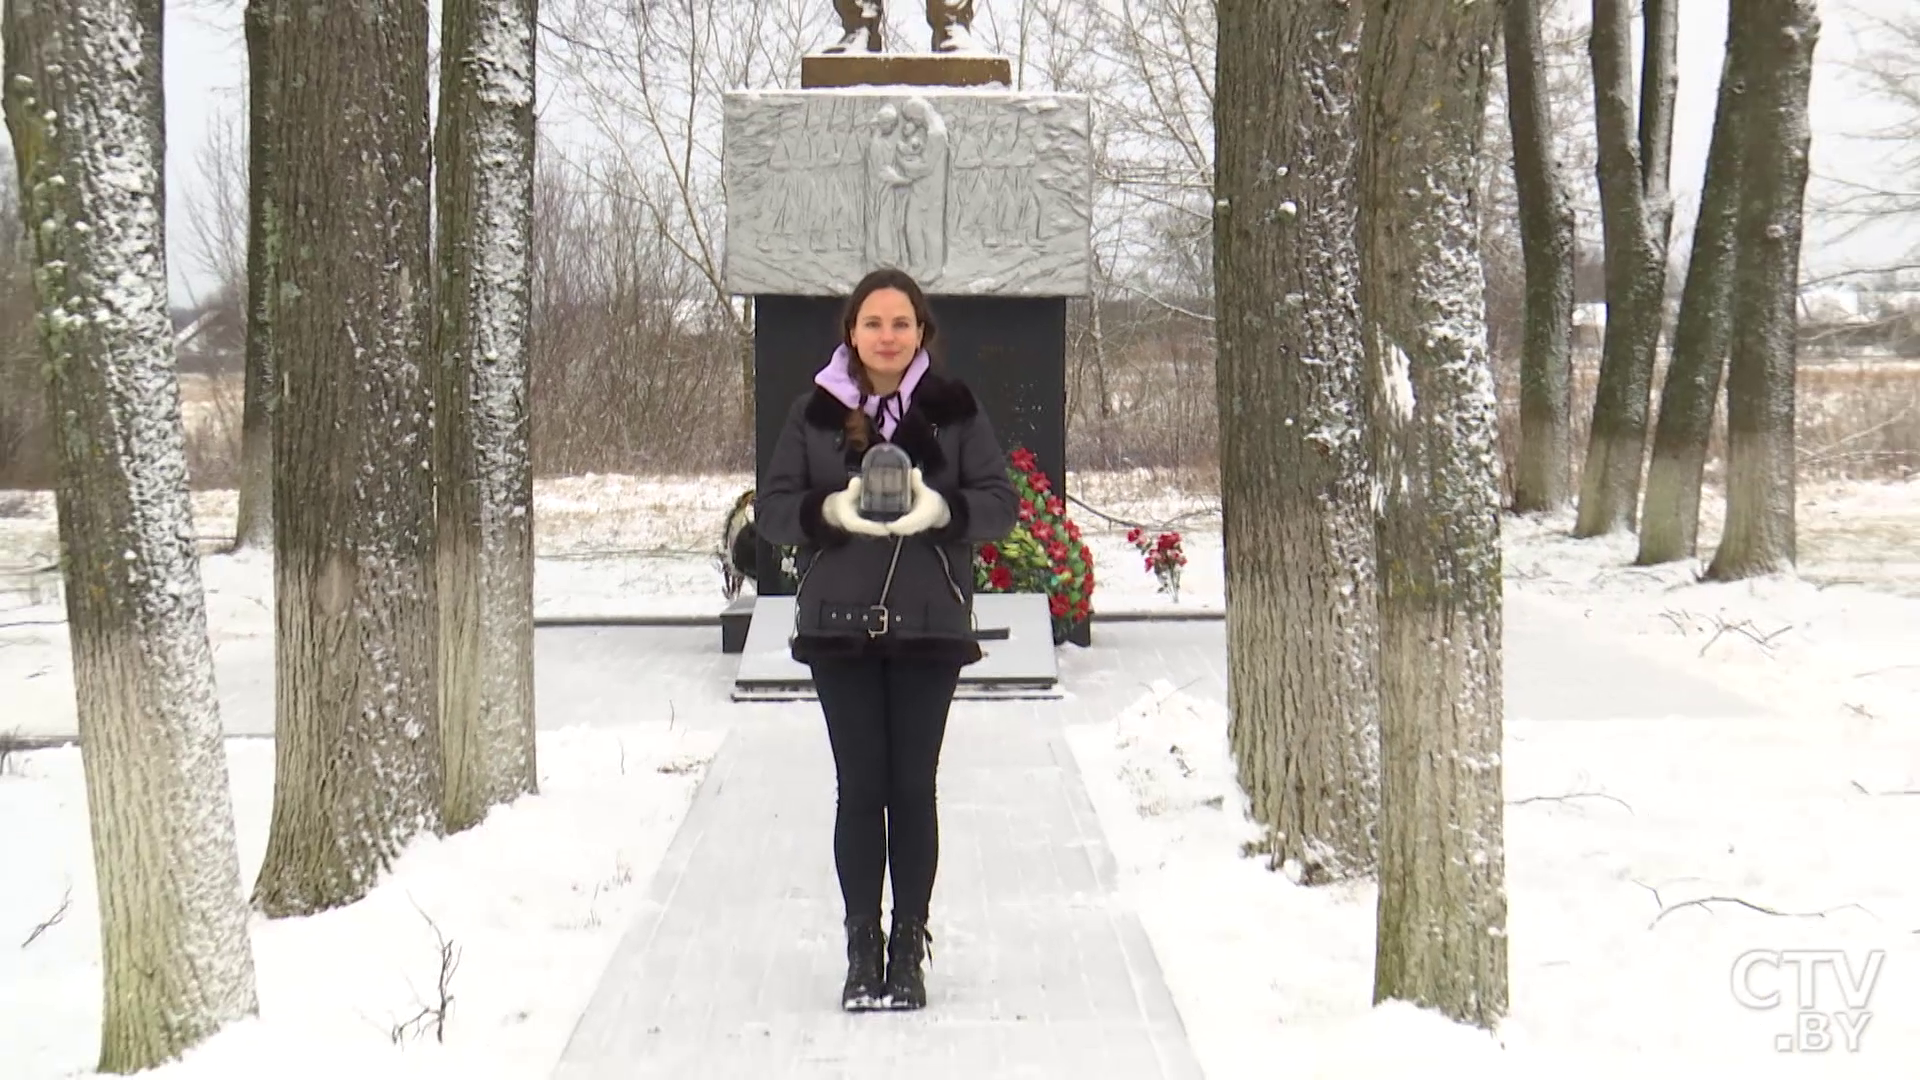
{"type": "Point", "coordinates": [1703, 902]}
{"type": "Point", "coordinates": [1862, 789]}
{"type": "Point", "coordinates": [432, 1016]}
{"type": "Point", "coordinates": [1569, 797]}
{"type": "Point", "coordinates": [53, 920]}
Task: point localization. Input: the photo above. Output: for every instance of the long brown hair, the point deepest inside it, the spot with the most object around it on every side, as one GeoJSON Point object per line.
{"type": "Point", "coordinates": [859, 425]}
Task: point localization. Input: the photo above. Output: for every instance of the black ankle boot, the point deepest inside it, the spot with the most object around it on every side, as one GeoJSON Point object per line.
{"type": "Point", "coordinates": [906, 986]}
{"type": "Point", "coordinates": [864, 988]}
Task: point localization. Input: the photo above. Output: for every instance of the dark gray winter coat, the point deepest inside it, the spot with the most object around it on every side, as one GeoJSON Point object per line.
{"type": "Point", "coordinates": [929, 609]}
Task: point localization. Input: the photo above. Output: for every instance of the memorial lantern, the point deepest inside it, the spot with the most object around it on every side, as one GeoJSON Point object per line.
{"type": "Point", "coordinates": [886, 483]}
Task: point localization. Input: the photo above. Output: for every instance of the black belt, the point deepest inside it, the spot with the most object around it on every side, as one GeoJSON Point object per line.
{"type": "Point", "coordinates": [874, 619]}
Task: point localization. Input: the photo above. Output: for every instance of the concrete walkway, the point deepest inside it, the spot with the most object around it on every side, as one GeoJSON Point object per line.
{"type": "Point", "coordinates": [734, 967]}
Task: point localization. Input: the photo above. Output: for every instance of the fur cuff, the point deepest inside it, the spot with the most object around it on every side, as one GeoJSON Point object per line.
{"type": "Point", "coordinates": [813, 522]}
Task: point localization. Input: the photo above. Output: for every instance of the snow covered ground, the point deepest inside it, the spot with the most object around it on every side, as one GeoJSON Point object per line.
{"type": "Point", "coordinates": [1614, 826]}
{"type": "Point", "coordinates": [1645, 856]}
{"type": "Point", "coordinates": [533, 900]}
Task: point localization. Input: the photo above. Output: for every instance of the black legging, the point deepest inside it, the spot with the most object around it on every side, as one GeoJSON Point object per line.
{"type": "Point", "coordinates": [886, 720]}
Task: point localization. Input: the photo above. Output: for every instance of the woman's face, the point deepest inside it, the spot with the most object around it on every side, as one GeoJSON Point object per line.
{"type": "Point", "coordinates": [886, 334]}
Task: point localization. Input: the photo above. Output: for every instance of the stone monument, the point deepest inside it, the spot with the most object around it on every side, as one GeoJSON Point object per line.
{"type": "Point", "coordinates": [930, 162]}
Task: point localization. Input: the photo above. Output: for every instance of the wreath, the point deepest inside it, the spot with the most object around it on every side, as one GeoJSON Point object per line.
{"type": "Point", "coordinates": [1043, 553]}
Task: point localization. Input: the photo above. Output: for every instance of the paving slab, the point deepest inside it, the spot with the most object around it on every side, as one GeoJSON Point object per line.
{"type": "Point", "coordinates": [733, 967]}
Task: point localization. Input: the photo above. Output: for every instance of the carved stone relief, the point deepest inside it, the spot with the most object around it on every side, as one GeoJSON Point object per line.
{"type": "Point", "coordinates": [974, 193]}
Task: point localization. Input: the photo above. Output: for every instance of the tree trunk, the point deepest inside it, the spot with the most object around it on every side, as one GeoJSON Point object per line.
{"type": "Point", "coordinates": [1779, 37]}
{"type": "Point", "coordinates": [744, 349]}
{"type": "Point", "coordinates": [1546, 244]}
{"type": "Point", "coordinates": [253, 525]}
{"type": "Point", "coordinates": [358, 768]}
{"type": "Point", "coordinates": [1670, 520]}
{"type": "Point", "coordinates": [1296, 490]}
{"type": "Point", "coordinates": [485, 523]}
{"type": "Point", "coordinates": [85, 111]}
{"type": "Point", "coordinates": [1441, 940]}
{"type": "Point", "coordinates": [1637, 214]}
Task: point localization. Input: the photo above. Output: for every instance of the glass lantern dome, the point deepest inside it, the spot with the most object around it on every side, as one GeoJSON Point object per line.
{"type": "Point", "coordinates": [886, 483]}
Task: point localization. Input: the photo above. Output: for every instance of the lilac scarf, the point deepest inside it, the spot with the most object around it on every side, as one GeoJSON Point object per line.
{"type": "Point", "coordinates": [886, 410]}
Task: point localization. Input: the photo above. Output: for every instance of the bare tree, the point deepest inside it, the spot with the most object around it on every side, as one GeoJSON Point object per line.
{"type": "Point", "coordinates": [1546, 241]}
{"type": "Point", "coordinates": [620, 373]}
{"type": "Point", "coordinates": [1441, 938]}
{"type": "Point", "coordinates": [485, 152]}
{"type": "Point", "coordinates": [1886, 69]}
{"type": "Point", "coordinates": [1152, 71]}
{"type": "Point", "coordinates": [1295, 491]}
{"type": "Point", "coordinates": [659, 119]}
{"type": "Point", "coordinates": [357, 736]}
{"type": "Point", "coordinates": [1149, 66]}
{"type": "Point", "coordinates": [1670, 521]}
{"type": "Point", "coordinates": [1759, 538]}
{"type": "Point", "coordinates": [1637, 210]}
{"type": "Point", "coordinates": [217, 210]}
{"type": "Point", "coordinates": [84, 106]}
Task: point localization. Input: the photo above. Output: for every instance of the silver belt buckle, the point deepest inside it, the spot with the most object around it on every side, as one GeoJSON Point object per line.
{"type": "Point", "coordinates": [886, 620]}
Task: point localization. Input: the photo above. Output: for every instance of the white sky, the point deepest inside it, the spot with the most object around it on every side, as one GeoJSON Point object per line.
{"type": "Point", "coordinates": [206, 62]}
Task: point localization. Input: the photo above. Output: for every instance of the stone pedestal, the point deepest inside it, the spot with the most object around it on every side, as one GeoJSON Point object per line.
{"type": "Point", "coordinates": [838, 70]}
{"type": "Point", "coordinates": [984, 194]}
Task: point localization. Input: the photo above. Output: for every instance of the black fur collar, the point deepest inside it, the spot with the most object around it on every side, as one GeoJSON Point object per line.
{"type": "Point", "coordinates": [942, 401]}
{"type": "Point", "coordinates": [937, 402]}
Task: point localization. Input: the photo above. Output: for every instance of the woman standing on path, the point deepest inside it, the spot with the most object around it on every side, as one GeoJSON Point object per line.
{"type": "Point", "coordinates": [884, 611]}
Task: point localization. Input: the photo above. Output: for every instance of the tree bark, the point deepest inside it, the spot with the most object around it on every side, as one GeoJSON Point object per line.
{"type": "Point", "coordinates": [1542, 480]}
{"type": "Point", "coordinates": [358, 767]}
{"type": "Point", "coordinates": [253, 524]}
{"type": "Point", "coordinates": [1670, 519]}
{"type": "Point", "coordinates": [84, 106]}
{"type": "Point", "coordinates": [1441, 940]}
{"type": "Point", "coordinates": [254, 519]}
{"type": "Point", "coordinates": [1637, 215]}
{"type": "Point", "coordinates": [485, 153]}
{"type": "Point", "coordinates": [1759, 538]}
{"type": "Point", "coordinates": [1295, 481]}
